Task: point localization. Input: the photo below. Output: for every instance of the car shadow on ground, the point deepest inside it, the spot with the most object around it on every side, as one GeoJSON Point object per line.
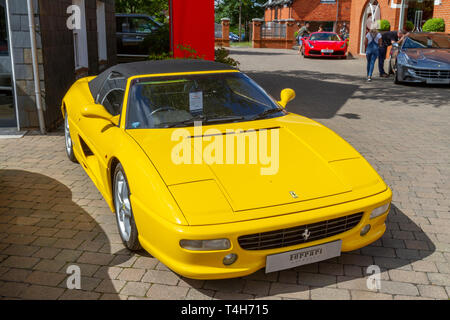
{"type": "Point", "coordinates": [350, 270]}
{"type": "Point", "coordinates": [315, 98]}
{"type": "Point", "coordinates": [42, 233]}
{"type": "Point", "coordinates": [322, 95]}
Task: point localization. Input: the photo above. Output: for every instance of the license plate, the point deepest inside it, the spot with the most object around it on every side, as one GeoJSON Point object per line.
{"type": "Point", "coordinates": [327, 51]}
{"type": "Point", "coordinates": [295, 258]}
{"type": "Point", "coordinates": [446, 81]}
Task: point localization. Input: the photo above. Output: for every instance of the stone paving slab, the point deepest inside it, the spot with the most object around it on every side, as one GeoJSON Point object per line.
{"type": "Point", "coordinates": [52, 216]}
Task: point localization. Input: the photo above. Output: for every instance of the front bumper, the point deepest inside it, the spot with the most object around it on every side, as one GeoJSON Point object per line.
{"type": "Point", "coordinates": [319, 53]}
{"type": "Point", "coordinates": [422, 75]}
{"type": "Point", "coordinates": [161, 238]}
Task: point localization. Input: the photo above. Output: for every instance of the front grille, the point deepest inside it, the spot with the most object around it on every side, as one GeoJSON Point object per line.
{"type": "Point", "coordinates": [314, 52]}
{"type": "Point", "coordinates": [292, 236]}
{"type": "Point", "coordinates": [432, 74]}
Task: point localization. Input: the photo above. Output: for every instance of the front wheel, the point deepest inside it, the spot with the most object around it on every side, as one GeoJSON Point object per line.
{"type": "Point", "coordinates": [68, 140]}
{"type": "Point", "coordinates": [124, 213]}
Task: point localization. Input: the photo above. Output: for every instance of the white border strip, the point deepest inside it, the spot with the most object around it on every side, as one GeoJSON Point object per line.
{"type": "Point", "coordinates": [11, 50]}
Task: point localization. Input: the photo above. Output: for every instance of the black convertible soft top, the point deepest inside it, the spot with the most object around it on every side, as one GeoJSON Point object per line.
{"type": "Point", "coordinates": [129, 70]}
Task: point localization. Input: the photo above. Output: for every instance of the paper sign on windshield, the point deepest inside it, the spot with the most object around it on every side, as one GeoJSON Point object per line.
{"type": "Point", "coordinates": [196, 101]}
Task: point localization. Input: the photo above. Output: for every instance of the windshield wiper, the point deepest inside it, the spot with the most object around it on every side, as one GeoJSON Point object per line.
{"type": "Point", "coordinates": [266, 113]}
{"type": "Point", "coordinates": [186, 122]}
{"type": "Point", "coordinates": [206, 119]}
{"type": "Point", "coordinates": [223, 119]}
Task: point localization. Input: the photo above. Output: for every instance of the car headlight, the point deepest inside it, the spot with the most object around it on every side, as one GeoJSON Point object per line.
{"type": "Point", "coordinates": [380, 210]}
{"type": "Point", "coordinates": [343, 46]}
{"type": "Point", "coordinates": [310, 44]}
{"type": "Point", "coordinates": [205, 245]}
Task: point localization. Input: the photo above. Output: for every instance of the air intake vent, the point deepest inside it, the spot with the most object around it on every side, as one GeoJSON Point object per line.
{"type": "Point", "coordinates": [295, 235]}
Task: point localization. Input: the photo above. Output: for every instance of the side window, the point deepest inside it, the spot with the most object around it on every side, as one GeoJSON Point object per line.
{"type": "Point", "coordinates": [122, 25]}
{"type": "Point", "coordinates": [113, 101]}
{"type": "Point", "coordinates": [142, 25]}
{"type": "Point", "coordinates": [112, 93]}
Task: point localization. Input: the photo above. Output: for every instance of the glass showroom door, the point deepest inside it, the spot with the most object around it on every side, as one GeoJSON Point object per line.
{"type": "Point", "coordinates": [7, 109]}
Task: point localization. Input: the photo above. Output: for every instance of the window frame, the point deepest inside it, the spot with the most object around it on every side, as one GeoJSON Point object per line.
{"type": "Point", "coordinates": [101, 31]}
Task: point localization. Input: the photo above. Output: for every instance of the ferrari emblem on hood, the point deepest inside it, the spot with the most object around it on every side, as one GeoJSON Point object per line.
{"type": "Point", "coordinates": [293, 194]}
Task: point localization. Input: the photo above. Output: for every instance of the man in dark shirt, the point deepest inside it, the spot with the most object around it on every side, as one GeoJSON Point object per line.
{"type": "Point", "coordinates": [388, 38]}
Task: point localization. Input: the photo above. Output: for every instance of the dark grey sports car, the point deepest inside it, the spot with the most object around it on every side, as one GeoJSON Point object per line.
{"type": "Point", "coordinates": [421, 57]}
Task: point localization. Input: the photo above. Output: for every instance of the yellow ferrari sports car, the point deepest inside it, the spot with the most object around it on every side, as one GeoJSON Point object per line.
{"type": "Point", "coordinates": [212, 176]}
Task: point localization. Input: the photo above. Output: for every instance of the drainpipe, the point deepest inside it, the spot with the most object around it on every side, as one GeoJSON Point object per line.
{"type": "Point", "coordinates": [37, 79]}
{"type": "Point", "coordinates": [337, 16]}
{"type": "Point", "coordinates": [401, 21]}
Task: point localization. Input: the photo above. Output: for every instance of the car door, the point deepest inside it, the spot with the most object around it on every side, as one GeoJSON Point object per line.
{"type": "Point", "coordinates": [100, 137]}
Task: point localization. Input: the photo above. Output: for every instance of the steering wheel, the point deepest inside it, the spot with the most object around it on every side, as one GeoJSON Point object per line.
{"type": "Point", "coordinates": [162, 109]}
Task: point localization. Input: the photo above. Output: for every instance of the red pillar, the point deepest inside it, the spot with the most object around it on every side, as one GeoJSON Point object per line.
{"type": "Point", "coordinates": [192, 26]}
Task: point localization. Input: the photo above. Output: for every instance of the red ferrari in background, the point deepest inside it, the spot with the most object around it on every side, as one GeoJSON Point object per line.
{"type": "Point", "coordinates": [324, 44]}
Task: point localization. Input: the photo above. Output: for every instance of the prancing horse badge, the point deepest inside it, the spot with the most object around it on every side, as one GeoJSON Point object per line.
{"type": "Point", "coordinates": [293, 194]}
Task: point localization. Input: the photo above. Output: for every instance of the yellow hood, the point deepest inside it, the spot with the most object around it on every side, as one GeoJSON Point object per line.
{"type": "Point", "coordinates": [313, 163]}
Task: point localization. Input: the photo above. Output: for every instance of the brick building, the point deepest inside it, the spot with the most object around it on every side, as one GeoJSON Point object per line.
{"type": "Point", "coordinates": [317, 12]}
{"type": "Point", "coordinates": [64, 55]}
{"type": "Point", "coordinates": [397, 12]}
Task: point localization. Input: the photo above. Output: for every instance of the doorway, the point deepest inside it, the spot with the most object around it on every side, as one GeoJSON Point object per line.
{"type": "Point", "coordinates": [419, 11]}
{"type": "Point", "coordinates": [370, 15]}
{"type": "Point", "coordinates": [7, 107]}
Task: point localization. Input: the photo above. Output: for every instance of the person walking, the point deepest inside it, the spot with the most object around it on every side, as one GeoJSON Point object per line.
{"type": "Point", "coordinates": [372, 43]}
{"type": "Point", "coordinates": [388, 38]}
{"type": "Point", "coordinates": [320, 29]}
{"type": "Point", "coordinates": [302, 32]}
{"type": "Point", "coordinates": [343, 31]}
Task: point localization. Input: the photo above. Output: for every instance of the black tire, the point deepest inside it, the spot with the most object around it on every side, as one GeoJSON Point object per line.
{"type": "Point", "coordinates": [68, 140]}
{"type": "Point", "coordinates": [396, 81]}
{"type": "Point", "coordinates": [132, 243]}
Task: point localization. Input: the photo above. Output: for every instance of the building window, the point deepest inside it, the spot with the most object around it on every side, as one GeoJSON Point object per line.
{"type": "Point", "coordinates": [3, 32]}
{"type": "Point", "coordinates": [80, 38]}
{"type": "Point", "coordinates": [101, 31]}
{"type": "Point", "coordinates": [327, 1]}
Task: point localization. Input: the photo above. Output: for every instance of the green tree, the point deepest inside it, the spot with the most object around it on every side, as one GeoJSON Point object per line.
{"type": "Point", "coordinates": [151, 7]}
{"type": "Point", "coordinates": [230, 9]}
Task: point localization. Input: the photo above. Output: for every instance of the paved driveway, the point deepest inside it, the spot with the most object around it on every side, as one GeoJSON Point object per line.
{"type": "Point", "coordinates": [51, 215]}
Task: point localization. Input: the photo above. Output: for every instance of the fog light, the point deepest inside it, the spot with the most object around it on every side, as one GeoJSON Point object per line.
{"type": "Point", "coordinates": [205, 245]}
{"type": "Point", "coordinates": [365, 229]}
{"type": "Point", "coordinates": [379, 211]}
{"type": "Point", "coordinates": [230, 259]}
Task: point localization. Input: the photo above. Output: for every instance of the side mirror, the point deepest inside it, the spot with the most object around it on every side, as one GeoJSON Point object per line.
{"type": "Point", "coordinates": [286, 96]}
{"type": "Point", "coordinates": [395, 45]}
{"type": "Point", "coordinates": [99, 112]}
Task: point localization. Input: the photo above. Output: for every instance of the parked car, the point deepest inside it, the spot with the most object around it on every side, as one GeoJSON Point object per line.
{"type": "Point", "coordinates": [131, 30]}
{"type": "Point", "coordinates": [421, 57]}
{"type": "Point", "coordinates": [324, 44]}
{"type": "Point", "coordinates": [233, 37]}
{"type": "Point", "coordinates": [316, 198]}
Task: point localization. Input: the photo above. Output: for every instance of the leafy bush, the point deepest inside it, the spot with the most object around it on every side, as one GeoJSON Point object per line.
{"type": "Point", "coordinates": [222, 56]}
{"type": "Point", "coordinates": [434, 25]}
{"type": "Point", "coordinates": [384, 25]}
{"type": "Point", "coordinates": [409, 26]}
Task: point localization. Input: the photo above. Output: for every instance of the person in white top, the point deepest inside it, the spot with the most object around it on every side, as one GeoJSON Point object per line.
{"type": "Point", "coordinates": [372, 42]}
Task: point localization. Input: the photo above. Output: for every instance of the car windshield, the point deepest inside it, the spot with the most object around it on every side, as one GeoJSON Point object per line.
{"type": "Point", "coordinates": [325, 37]}
{"type": "Point", "coordinates": [422, 41]}
{"type": "Point", "coordinates": [163, 102]}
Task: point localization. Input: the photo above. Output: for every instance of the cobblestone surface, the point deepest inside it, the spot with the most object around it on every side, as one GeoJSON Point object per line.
{"type": "Point", "coordinates": [52, 216]}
